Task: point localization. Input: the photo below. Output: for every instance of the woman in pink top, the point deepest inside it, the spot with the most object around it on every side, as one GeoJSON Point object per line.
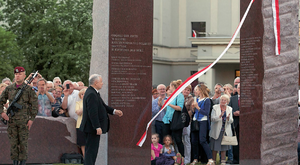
{"type": "Point", "coordinates": [156, 148]}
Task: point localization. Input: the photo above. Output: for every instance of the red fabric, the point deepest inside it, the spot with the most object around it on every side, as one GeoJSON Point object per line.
{"type": "Point", "coordinates": [19, 69]}
{"type": "Point", "coordinates": [278, 25]}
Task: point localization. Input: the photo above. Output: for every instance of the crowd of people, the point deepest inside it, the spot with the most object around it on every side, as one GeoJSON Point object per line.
{"type": "Point", "coordinates": [212, 117]}
{"type": "Point", "coordinates": [57, 99]}
{"type": "Point", "coordinates": [215, 115]}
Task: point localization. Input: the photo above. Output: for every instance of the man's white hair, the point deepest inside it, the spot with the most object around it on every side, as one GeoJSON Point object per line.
{"type": "Point", "coordinates": [64, 84]}
{"type": "Point", "coordinates": [6, 79]}
{"type": "Point", "coordinates": [50, 82]}
{"type": "Point", "coordinates": [93, 78]}
{"type": "Point", "coordinates": [163, 85]}
{"type": "Point", "coordinates": [57, 79]}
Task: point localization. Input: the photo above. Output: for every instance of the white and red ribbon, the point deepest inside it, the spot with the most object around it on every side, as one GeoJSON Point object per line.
{"type": "Point", "coordinates": [189, 80]}
{"type": "Point", "coordinates": [276, 23]}
{"type": "Point", "coordinates": [194, 34]}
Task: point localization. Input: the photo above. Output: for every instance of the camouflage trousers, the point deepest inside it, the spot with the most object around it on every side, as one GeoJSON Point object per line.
{"type": "Point", "coordinates": [18, 136]}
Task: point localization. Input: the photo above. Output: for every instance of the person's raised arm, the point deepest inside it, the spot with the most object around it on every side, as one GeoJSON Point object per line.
{"type": "Point", "coordinates": [64, 104]}
{"type": "Point", "coordinates": [50, 97]}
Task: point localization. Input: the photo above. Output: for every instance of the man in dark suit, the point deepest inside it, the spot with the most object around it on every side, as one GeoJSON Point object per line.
{"type": "Point", "coordinates": [95, 119]}
{"type": "Point", "coordinates": [235, 104]}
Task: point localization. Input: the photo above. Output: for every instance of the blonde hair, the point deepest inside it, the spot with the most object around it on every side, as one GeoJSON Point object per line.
{"type": "Point", "coordinates": [82, 91]}
{"type": "Point", "coordinates": [229, 86]}
{"type": "Point", "coordinates": [226, 97]}
{"type": "Point", "coordinates": [56, 87]}
{"type": "Point", "coordinates": [189, 87]}
{"type": "Point", "coordinates": [176, 83]}
{"type": "Point", "coordinates": [3, 85]}
{"type": "Point", "coordinates": [204, 90]}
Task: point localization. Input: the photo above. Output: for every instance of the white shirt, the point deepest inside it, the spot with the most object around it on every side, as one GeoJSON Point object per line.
{"type": "Point", "coordinates": [72, 99]}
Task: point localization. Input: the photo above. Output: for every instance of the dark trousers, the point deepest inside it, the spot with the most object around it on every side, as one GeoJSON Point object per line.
{"type": "Point", "coordinates": [200, 138]}
{"type": "Point", "coordinates": [159, 130]}
{"type": "Point", "coordinates": [176, 136]}
{"type": "Point", "coordinates": [91, 148]}
{"type": "Point", "coordinates": [236, 149]}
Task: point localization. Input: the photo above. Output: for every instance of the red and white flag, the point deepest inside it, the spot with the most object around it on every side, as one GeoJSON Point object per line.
{"type": "Point", "coordinates": [276, 23]}
{"type": "Point", "coordinates": [194, 34]}
{"type": "Point", "coordinates": [189, 80]}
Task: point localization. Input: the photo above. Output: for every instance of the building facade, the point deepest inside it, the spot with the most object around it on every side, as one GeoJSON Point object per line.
{"type": "Point", "coordinates": [177, 54]}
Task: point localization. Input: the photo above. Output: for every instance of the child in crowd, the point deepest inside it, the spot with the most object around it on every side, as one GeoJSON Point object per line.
{"type": "Point", "coordinates": [156, 148]}
{"type": "Point", "coordinates": [169, 156]}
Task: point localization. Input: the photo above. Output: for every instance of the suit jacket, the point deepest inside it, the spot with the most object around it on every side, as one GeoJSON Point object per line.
{"type": "Point", "coordinates": [216, 122]}
{"type": "Point", "coordinates": [234, 103]}
{"type": "Point", "coordinates": [95, 112]}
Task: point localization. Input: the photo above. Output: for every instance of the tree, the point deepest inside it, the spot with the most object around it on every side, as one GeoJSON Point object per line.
{"type": "Point", "coordinates": [54, 36]}
{"type": "Point", "coordinates": [9, 54]}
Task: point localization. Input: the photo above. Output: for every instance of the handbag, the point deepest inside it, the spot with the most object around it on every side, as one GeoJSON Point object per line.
{"type": "Point", "coordinates": [195, 123]}
{"type": "Point", "coordinates": [180, 119]}
{"type": "Point", "coordinates": [229, 140]}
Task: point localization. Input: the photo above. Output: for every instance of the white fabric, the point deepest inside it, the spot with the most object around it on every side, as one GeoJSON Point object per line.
{"type": "Point", "coordinates": [216, 121]}
{"type": "Point", "coordinates": [72, 99]}
{"type": "Point", "coordinates": [195, 76]}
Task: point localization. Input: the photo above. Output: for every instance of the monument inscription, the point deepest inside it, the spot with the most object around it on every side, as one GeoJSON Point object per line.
{"type": "Point", "coordinates": [250, 76]}
{"type": "Point", "coordinates": [130, 79]}
{"type": "Point", "coordinates": [127, 72]}
{"type": "Point", "coordinates": [252, 73]}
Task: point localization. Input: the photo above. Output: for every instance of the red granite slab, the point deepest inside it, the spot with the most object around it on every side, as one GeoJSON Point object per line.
{"type": "Point", "coordinates": [252, 72]}
{"type": "Point", "coordinates": [48, 139]}
{"type": "Point", "coordinates": [130, 79]}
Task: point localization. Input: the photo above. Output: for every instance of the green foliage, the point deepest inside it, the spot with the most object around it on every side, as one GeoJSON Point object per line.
{"type": "Point", "coordinates": [9, 54]}
{"type": "Point", "coordinates": [54, 36]}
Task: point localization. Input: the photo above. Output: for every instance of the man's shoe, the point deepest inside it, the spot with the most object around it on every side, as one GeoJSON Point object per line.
{"type": "Point", "coordinates": [23, 162]}
{"type": "Point", "coordinates": [15, 162]}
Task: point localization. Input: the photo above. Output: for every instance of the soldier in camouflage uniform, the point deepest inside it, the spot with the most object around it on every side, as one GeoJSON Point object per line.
{"type": "Point", "coordinates": [20, 123]}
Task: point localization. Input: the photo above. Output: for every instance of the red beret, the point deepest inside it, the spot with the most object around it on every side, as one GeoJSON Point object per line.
{"type": "Point", "coordinates": [19, 69]}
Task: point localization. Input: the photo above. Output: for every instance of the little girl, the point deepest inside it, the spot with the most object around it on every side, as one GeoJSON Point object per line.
{"type": "Point", "coordinates": [156, 148]}
{"type": "Point", "coordinates": [169, 157]}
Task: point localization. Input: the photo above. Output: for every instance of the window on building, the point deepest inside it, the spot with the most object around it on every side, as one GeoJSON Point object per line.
{"type": "Point", "coordinates": [237, 73]}
{"type": "Point", "coordinates": [200, 29]}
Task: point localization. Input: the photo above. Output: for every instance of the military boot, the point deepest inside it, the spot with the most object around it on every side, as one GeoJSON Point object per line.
{"type": "Point", "coordinates": [22, 162]}
{"type": "Point", "coordinates": [15, 162]}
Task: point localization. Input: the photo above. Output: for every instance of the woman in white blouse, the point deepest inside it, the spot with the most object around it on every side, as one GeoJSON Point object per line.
{"type": "Point", "coordinates": [220, 113]}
